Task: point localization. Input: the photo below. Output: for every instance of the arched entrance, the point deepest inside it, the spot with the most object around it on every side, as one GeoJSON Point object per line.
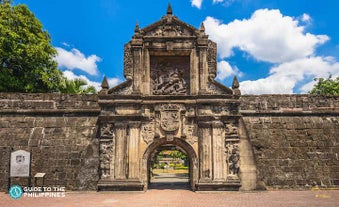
{"type": "Point", "coordinates": [176, 143]}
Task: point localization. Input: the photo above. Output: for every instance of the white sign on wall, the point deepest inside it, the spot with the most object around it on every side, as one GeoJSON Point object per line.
{"type": "Point", "coordinates": [20, 163]}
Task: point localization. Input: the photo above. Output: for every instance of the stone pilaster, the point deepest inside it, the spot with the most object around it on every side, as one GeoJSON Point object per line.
{"type": "Point", "coordinates": [137, 64]}
{"type": "Point", "coordinates": [146, 74]}
{"type": "Point", "coordinates": [205, 151]}
{"type": "Point", "coordinates": [133, 150]}
{"type": "Point", "coordinates": [219, 163]}
{"type": "Point", "coordinates": [120, 152]}
{"type": "Point", "coordinates": [203, 64]}
{"type": "Point", "coordinates": [194, 71]}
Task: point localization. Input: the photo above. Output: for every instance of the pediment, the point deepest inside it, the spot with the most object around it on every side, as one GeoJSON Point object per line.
{"type": "Point", "coordinates": [169, 26]}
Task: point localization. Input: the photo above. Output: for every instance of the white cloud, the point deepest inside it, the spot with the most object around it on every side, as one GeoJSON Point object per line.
{"type": "Point", "coordinates": [74, 59]}
{"type": "Point", "coordinates": [306, 18]}
{"type": "Point", "coordinates": [283, 78]}
{"type": "Point", "coordinates": [196, 3]}
{"type": "Point", "coordinates": [217, 1]}
{"type": "Point", "coordinates": [225, 70]}
{"type": "Point", "coordinates": [65, 44]}
{"type": "Point", "coordinates": [267, 36]}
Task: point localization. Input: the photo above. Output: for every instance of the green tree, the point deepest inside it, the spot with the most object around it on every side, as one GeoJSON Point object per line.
{"type": "Point", "coordinates": [26, 55]}
{"type": "Point", "coordinates": [329, 86]}
{"type": "Point", "coordinates": [77, 86]}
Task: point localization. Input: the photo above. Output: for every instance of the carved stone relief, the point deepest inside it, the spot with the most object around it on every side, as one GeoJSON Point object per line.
{"type": "Point", "coordinates": [148, 132]}
{"type": "Point", "coordinates": [107, 130]}
{"type": "Point", "coordinates": [211, 58]}
{"type": "Point", "coordinates": [233, 158]}
{"type": "Point", "coordinates": [231, 130]}
{"type": "Point", "coordinates": [170, 117]}
{"type": "Point", "coordinates": [221, 110]}
{"type": "Point", "coordinates": [172, 30]}
{"type": "Point", "coordinates": [190, 132]}
{"type": "Point", "coordinates": [168, 78]}
{"type": "Point", "coordinates": [128, 64]}
{"type": "Point", "coordinates": [106, 151]}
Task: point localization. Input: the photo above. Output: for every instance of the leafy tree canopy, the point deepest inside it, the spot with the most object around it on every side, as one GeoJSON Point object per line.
{"type": "Point", "coordinates": [329, 86]}
{"type": "Point", "coordinates": [26, 53]}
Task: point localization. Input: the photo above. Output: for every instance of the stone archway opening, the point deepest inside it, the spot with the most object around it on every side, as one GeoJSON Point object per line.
{"type": "Point", "coordinates": [169, 168]}
{"type": "Point", "coordinates": [161, 177]}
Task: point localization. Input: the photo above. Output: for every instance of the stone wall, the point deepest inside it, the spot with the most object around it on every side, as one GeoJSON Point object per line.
{"type": "Point", "coordinates": [294, 138]}
{"type": "Point", "coordinates": [59, 130]}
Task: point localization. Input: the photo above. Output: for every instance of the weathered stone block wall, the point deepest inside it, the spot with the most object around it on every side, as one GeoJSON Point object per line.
{"type": "Point", "coordinates": [295, 139]}
{"type": "Point", "coordinates": [59, 130]}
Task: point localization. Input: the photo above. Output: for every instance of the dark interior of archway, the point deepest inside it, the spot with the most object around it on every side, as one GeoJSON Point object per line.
{"type": "Point", "coordinates": [169, 168]}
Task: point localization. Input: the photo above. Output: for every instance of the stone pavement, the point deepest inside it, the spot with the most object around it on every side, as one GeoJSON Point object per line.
{"type": "Point", "coordinates": [184, 198]}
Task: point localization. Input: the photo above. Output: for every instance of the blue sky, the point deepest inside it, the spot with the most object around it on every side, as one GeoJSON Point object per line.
{"type": "Point", "coordinates": [273, 46]}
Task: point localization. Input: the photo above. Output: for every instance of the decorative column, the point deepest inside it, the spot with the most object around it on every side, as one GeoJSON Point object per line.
{"type": "Point", "coordinates": [218, 151]}
{"type": "Point", "coordinates": [107, 139]}
{"type": "Point", "coordinates": [120, 153]}
{"type": "Point", "coordinates": [133, 150]}
{"type": "Point", "coordinates": [205, 151]}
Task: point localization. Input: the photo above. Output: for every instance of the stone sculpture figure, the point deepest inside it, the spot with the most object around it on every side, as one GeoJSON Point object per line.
{"type": "Point", "coordinates": [234, 161]}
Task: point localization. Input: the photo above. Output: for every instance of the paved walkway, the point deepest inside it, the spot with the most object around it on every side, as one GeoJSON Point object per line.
{"type": "Point", "coordinates": [185, 198]}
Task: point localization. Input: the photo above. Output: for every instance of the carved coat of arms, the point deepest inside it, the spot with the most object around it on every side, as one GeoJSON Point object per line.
{"type": "Point", "coordinates": [169, 118]}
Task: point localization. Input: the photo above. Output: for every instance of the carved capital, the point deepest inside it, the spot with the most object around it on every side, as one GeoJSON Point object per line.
{"type": "Point", "coordinates": [217, 124]}
{"type": "Point", "coordinates": [204, 124]}
{"type": "Point", "coordinates": [134, 124]}
{"type": "Point", "coordinates": [120, 125]}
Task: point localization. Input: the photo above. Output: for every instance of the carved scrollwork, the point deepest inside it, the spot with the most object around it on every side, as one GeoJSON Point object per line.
{"type": "Point", "coordinates": [171, 29]}
{"type": "Point", "coordinates": [107, 130]}
{"type": "Point", "coordinates": [148, 132]}
{"type": "Point", "coordinates": [128, 62]}
{"type": "Point", "coordinates": [106, 151]}
{"type": "Point", "coordinates": [231, 130]}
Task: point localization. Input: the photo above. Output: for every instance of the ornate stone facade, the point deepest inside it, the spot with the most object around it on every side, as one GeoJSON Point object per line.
{"type": "Point", "coordinates": [170, 97]}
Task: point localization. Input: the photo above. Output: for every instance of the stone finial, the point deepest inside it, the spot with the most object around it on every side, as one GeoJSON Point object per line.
{"type": "Point", "coordinates": [137, 29]}
{"type": "Point", "coordinates": [169, 10]}
{"type": "Point", "coordinates": [202, 27]}
{"type": "Point", "coordinates": [235, 86]}
{"type": "Point", "coordinates": [104, 84]}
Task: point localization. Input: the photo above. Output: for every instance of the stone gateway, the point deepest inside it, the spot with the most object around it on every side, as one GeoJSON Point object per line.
{"type": "Point", "coordinates": [170, 97]}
